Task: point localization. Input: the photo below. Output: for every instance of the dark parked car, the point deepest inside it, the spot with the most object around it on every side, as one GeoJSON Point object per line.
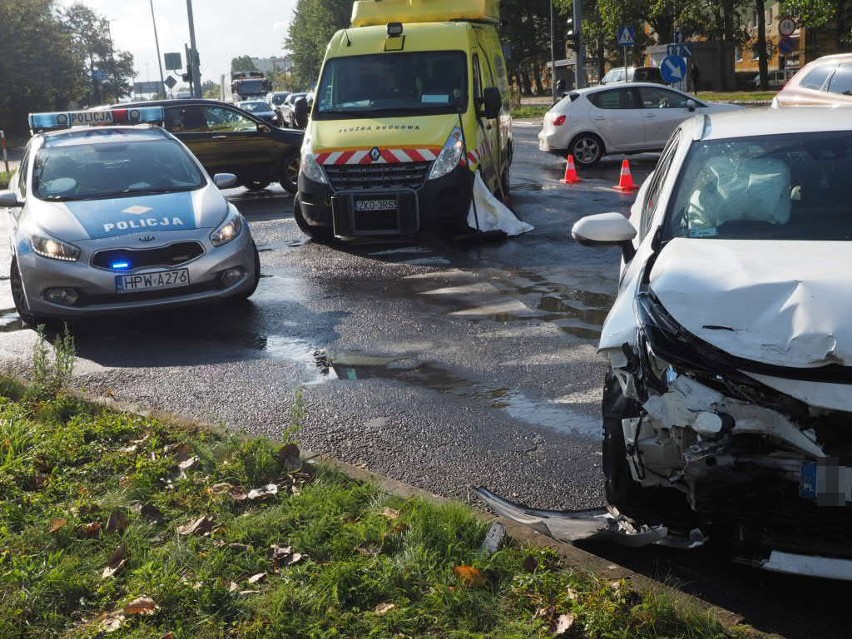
{"type": "Point", "coordinates": [289, 110]}
{"type": "Point", "coordinates": [227, 139]}
{"type": "Point", "coordinates": [261, 109]}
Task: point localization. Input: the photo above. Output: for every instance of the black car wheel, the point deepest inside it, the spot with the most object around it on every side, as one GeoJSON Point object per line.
{"type": "Point", "coordinates": [289, 178]}
{"type": "Point", "coordinates": [18, 298]}
{"type": "Point", "coordinates": [587, 149]}
{"type": "Point", "coordinates": [317, 233]}
{"type": "Point", "coordinates": [244, 295]}
{"type": "Point", "coordinates": [256, 185]}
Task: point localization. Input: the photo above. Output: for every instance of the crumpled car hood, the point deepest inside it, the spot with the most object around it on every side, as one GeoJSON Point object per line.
{"type": "Point", "coordinates": [786, 303]}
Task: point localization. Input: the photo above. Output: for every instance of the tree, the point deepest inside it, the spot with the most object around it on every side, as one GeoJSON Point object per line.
{"type": "Point", "coordinates": [243, 63]}
{"type": "Point", "coordinates": [38, 64]}
{"type": "Point", "coordinates": [314, 22]}
{"type": "Point", "coordinates": [818, 14]}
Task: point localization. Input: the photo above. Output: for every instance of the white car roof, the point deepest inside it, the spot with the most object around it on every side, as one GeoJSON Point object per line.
{"type": "Point", "coordinates": [749, 122]}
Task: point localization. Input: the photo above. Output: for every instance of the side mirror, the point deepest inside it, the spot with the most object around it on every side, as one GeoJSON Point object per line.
{"type": "Point", "coordinates": [225, 180]}
{"type": "Point", "coordinates": [690, 104]}
{"type": "Point", "coordinates": [492, 102]}
{"type": "Point", "coordinates": [606, 229]}
{"type": "Point", "coordinates": [8, 199]}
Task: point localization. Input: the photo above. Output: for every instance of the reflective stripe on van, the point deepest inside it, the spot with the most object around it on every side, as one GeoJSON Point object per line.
{"type": "Point", "coordinates": [384, 156]}
{"type": "Point", "coordinates": [474, 156]}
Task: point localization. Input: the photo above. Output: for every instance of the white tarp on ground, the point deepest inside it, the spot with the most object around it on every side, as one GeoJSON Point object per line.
{"type": "Point", "coordinates": [492, 213]}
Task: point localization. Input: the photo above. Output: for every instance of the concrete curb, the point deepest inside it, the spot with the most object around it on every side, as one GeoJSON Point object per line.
{"type": "Point", "coordinates": [573, 556]}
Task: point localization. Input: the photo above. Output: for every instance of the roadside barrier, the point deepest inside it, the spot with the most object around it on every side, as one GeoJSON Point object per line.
{"type": "Point", "coordinates": [571, 176]}
{"type": "Point", "coordinates": [625, 180]}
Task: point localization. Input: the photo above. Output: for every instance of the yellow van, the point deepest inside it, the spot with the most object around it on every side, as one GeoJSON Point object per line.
{"type": "Point", "coordinates": [411, 101]}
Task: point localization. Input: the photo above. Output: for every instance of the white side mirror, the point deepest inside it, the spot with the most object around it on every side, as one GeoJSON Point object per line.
{"type": "Point", "coordinates": [225, 180]}
{"type": "Point", "coordinates": [606, 229]}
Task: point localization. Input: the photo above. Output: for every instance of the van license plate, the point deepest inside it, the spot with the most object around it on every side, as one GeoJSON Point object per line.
{"type": "Point", "coordinates": [151, 281]}
{"type": "Point", "coordinates": [383, 204]}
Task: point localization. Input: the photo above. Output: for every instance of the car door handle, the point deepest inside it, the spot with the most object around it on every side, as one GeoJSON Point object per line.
{"type": "Point", "coordinates": [598, 117]}
{"type": "Point", "coordinates": [650, 115]}
{"type": "Point", "coordinates": [218, 137]}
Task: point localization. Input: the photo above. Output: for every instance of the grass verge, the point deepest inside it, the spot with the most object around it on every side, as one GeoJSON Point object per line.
{"type": "Point", "coordinates": [115, 524]}
{"type": "Point", "coordinates": [4, 179]}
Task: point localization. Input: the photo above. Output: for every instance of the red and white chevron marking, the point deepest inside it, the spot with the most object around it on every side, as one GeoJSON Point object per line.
{"type": "Point", "coordinates": [388, 156]}
{"type": "Point", "coordinates": [474, 156]}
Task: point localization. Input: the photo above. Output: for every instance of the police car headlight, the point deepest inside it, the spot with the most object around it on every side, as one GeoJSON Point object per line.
{"type": "Point", "coordinates": [450, 155]}
{"type": "Point", "coordinates": [47, 246]}
{"type": "Point", "coordinates": [309, 165]}
{"type": "Point", "coordinates": [228, 230]}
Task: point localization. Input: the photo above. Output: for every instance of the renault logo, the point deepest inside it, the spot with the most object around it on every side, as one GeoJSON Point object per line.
{"type": "Point", "coordinates": [147, 238]}
{"type": "Point", "coordinates": [375, 153]}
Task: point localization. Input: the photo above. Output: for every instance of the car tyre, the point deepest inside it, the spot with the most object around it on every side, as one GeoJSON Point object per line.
{"type": "Point", "coordinates": [256, 185]}
{"type": "Point", "coordinates": [587, 149]}
{"type": "Point", "coordinates": [18, 297]}
{"type": "Point", "coordinates": [317, 233]}
{"type": "Point", "coordinates": [289, 178]}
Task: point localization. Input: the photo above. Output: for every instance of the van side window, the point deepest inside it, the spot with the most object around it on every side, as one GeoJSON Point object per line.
{"type": "Point", "coordinates": [652, 195]}
{"type": "Point", "coordinates": [477, 80]}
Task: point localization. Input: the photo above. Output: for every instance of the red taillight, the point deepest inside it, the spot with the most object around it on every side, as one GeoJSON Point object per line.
{"type": "Point", "coordinates": [559, 120]}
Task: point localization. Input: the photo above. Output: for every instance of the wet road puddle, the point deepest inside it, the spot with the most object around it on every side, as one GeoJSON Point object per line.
{"type": "Point", "coordinates": [557, 417]}
{"type": "Point", "coordinates": [10, 321]}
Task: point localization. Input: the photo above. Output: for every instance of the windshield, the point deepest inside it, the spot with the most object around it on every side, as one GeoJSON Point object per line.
{"type": "Point", "coordinates": [250, 86]}
{"type": "Point", "coordinates": [116, 169]}
{"type": "Point", "coordinates": [278, 98]}
{"type": "Point", "coordinates": [255, 107]}
{"type": "Point", "coordinates": [429, 82]}
{"type": "Point", "coordinates": [794, 186]}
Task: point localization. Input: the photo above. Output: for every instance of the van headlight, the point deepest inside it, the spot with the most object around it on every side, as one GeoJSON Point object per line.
{"type": "Point", "coordinates": [450, 155]}
{"type": "Point", "coordinates": [228, 230]}
{"type": "Point", "coordinates": [309, 165]}
{"type": "Point", "coordinates": [47, 246]}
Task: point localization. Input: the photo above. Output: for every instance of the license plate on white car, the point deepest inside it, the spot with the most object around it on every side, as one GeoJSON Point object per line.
{"type": "Point", "coordinates": [151, 281]}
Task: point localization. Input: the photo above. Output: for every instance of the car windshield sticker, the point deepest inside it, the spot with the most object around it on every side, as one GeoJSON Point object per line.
{"type": "Point", "coordinates": [127, 215]}
{"type": "Point", "coordinates": [708, 232]}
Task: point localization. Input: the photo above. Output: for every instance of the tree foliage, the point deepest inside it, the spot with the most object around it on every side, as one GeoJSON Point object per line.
{"type": "Point", "coordinates": [243, 63]}
{"type": "Point", "coordinates": [314, 22]}
{"type": "Point", "coordinates": [47, 59]}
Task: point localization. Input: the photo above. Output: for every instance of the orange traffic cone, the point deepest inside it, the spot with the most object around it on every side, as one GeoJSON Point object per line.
{"type": "Point", "coordinates": [625, 181]}
{"type": "Point", "coordinates": [571, 176]}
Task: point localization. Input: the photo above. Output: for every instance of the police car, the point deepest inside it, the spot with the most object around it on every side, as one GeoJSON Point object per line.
{"type": "Point", "coordinates": [110, 212]}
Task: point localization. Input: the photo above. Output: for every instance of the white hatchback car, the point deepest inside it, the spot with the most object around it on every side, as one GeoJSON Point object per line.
{"type": "Point", "coordinates": [729, 399]}
{"type": "Point", "coordinates": [623, 118]}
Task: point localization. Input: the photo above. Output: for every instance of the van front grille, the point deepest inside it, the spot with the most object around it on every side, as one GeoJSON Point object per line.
{"type": "Point", "coordinates": [356, 177]}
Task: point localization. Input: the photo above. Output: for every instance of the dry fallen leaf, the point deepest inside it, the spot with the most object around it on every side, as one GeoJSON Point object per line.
{"type": "Point", "coordinates": [188, 463]}
{"type": "Point", "coordinates": [233, 587]}
{"type": "Point", "coordinates": [111, 623]}
{"type": "Point", "coordinates": [115, 562]}
{"type": "Point", "coordinates": [180, 451]}
{"type": "Point", "coordinates": [168, 635]}
{"type": "Point", "coordinates": [256, 578]}
{"type": "Point", "coordinates": [198, 526]}
{"type": "Point", "coordinates": [152, 513]}
{"type": "Point", "coordinates": [109, 571]}
{"type": "Point", "coordinates": [57, 524]}
{"type": "Point", "coordinates": [382, 608]}
{"type": "Point", "coordinates": [263, 492]}
{"type": "Point", "coordinates": [391, 513]}
{"type": "Point", "coordinates": [129, 449]}
{"type": "Point", "coordinates": [141, 606]}
{"type": "Point", "coordinates": [563, 624]}
{"type": "Point", "coordinates": [469, 575]}
{"type": "Point", "coordinates": [92, 529]}
{"type": "Point", "coordinates": [117, 522]}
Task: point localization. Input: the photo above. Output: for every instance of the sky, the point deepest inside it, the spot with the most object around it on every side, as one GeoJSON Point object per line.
{"type": "Point", "coordinates": [224, 29]}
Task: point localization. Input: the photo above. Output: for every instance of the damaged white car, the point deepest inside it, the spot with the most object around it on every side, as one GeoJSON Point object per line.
{"type": "Point", "coordinates": [728, 409]}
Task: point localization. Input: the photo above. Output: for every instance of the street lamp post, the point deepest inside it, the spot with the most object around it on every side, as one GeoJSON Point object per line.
{"type": "Point", "coordinates": [112, 61]}
{"type": "Point", "coordinates": [579, 53]}
{"type": "Point", "coordinates": [160, 93]}
{"type": "Point", "coordinates": [193, 64]}
{"type": "Point", "coordinates": [552, 52]}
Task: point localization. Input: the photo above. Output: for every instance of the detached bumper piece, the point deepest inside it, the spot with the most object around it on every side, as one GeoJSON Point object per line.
{"type": "Point", "coordinates": [598, 524]}
{"type": "Point", "coordinates": [807, 565]}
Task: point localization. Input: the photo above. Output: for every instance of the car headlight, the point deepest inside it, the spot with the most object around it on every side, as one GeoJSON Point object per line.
{"type": "Point", "coordinates": [228, 230]}
{"type": "Point", "coordinates": [450, 155]}
{"type": "Point", "coordinates": [47, 246]}
{"type": "Point", "coordinates": [309, 165]}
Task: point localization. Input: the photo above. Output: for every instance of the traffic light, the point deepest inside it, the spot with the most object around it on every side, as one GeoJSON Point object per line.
{"type": "Point", "coordinates": [570, 36]}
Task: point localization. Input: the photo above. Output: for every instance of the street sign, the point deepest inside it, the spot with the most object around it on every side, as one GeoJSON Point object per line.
{"type": "Point", "coordinates": [146, 87]}
{"type": "Point", "coordinates": [170, 82]}
{"type": "Point", "coordinates": [172, 61]}
{"type": "Point", "coordinates": [786, 26]}
{"type": "Point", "coordinates": [673, 69]}
{"type": "Point", "coordinates": [682, 50]}
{"type": "Point", "coordinates": [787, 45]}
{"type": "Point", "coordinates": [99, 75]}
{"type": "Point", "coordinates": [626, 36]}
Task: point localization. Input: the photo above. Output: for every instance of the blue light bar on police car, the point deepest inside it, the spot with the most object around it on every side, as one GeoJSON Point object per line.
{"type": "Point", "coordinates": [65, 119]}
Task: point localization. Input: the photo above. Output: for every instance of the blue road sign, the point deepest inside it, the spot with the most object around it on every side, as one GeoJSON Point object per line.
{"type": "Point", "coordinates": [673, 69]}
{"type": "Point", "coordinates": [626, 36]}
{"type": "Point", "coordinates": [682, 50]}
{"type": "Point", "coordinates": [787, 45]}
{"type": "Point", "coordinates": [99, 75]}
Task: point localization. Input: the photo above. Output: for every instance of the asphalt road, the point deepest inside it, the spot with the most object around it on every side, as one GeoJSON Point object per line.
{"type": "Point", "coordinates": [442, 364]}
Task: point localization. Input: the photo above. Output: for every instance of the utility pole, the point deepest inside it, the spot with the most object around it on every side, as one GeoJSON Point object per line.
{"type": "Point", "coordinates": [579, 54]}
{"type": "Point", "coordinates": [552, 52]}
{"type": "Point", "coordinates": [160, 93]}
{"type": "Point", "coordinates": [193, 66]}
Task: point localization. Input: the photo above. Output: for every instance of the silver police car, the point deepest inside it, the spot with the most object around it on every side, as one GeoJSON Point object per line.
{"type": "Point", "coordinates": [112, 214]}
